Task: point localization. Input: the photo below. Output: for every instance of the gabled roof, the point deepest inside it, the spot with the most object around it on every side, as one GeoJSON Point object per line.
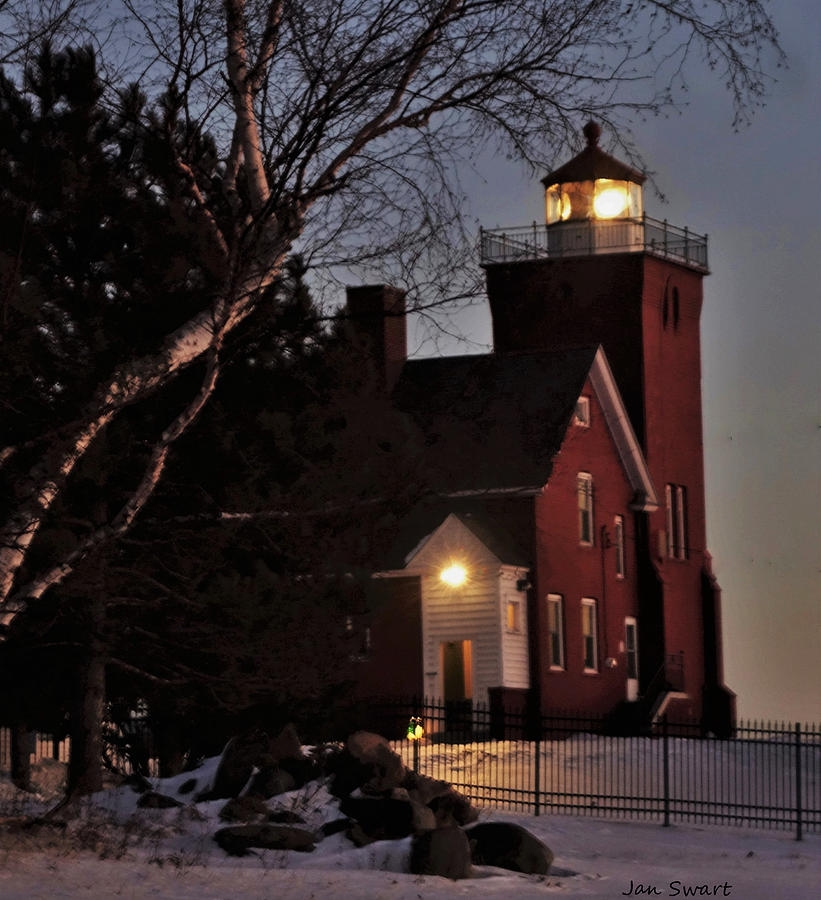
{"type": "Point", "coordinates": [493, 422]}
{"type": "Point", "coordinates": [487, 530]}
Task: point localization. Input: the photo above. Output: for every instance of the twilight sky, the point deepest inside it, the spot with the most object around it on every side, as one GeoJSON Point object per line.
{"type": "Point", "coordinates": [757, 193]}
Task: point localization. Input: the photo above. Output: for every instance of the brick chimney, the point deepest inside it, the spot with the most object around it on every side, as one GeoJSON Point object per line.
{"type": "Point", "coordinates": [377, 319]}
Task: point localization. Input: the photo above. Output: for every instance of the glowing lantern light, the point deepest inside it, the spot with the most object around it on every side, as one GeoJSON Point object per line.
{"type": "Point", "coordinates": [454, 575]}
{"type": "Point", "coordinates": [610, 202]}
{"type": "Point", "coordinates": [415, 730]}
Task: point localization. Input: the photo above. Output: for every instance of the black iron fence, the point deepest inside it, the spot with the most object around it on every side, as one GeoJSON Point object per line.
{"type": "Point", "coordinates": [765, 776]}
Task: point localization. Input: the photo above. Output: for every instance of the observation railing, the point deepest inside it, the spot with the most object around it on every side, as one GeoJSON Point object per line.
{"type": "Point", "coordinates": [591, 237]}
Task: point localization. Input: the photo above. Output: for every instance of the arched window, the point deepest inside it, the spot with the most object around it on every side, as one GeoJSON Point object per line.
{"type": "Point", "coordinates": [675, 308]}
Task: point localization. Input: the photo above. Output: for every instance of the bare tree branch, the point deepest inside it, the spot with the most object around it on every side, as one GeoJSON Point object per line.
{"type": "Point", "coordinates": [339, 124]}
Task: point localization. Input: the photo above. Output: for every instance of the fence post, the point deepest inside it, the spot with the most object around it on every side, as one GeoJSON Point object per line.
{"type": "Point", "coordinates": [799, 835]}
{"type": "Point", "coordinates": [666, 769]}
{"type": "Point", "coordinates": [537, 776]}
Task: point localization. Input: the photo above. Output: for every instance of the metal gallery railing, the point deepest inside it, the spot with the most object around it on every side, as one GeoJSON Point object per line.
{"type": "Point", "coordinates": [591, 237]}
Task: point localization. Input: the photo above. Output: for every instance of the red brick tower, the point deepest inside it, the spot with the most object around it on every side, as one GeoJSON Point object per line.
{"type": "Point", "coordinates": [601, 271]}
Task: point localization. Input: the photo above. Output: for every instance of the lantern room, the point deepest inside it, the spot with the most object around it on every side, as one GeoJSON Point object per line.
{"type": "Point", "coordinates": [593, 205]}
{"type": "Point", "coordinates": [593, 185]}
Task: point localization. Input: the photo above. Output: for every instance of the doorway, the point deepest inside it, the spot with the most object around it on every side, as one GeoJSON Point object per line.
{"type": "Point", "coordinates": [457, 685]}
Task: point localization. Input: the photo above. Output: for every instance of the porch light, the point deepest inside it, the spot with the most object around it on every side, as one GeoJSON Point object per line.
{"type": "Point", "coordinates": [454, 575]}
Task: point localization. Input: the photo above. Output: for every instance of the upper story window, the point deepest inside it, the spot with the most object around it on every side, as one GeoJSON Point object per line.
{"type": "Point", "coordinates": [618, 543]}
{"type": "Point", "coordinates": [584, 494]}
{"type": "Point", "coordinates": [590, 636]}
{"type": "Point", "coordinates": [555, 630]}
{"type": "Point", "coordinates": [676, 500]}
{"type": "Point", "coordinates": [582, 414]}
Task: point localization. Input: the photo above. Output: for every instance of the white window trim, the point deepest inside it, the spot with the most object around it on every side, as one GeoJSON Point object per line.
{"type": "Point", "coordinates": [517, 616]}
{"type": "Point", "coordinates": [586, 478]}
{"type": "Point", "coordinates": [631, 621]}
{"type": "Point", "coordinates": [556, 600]}
{"type": "Point", "coordinates": [591, 603]}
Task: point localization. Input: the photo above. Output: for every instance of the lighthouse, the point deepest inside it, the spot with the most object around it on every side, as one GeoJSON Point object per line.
{"type": "Point", "coordinates": [599, 270]}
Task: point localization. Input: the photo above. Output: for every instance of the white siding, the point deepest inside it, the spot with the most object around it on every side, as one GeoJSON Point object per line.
{"type": "Point", "coordinates": [463, 614]}
{"type": "Point", "coordinates": [515, 656]}
{"type": "Point", "coordinates": [473, 612]}
{"type": "Point", "coordinates": [466, 613]}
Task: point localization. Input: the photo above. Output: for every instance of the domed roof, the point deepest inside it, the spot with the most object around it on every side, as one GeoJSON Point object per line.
{"type": "Point", "coordinates": [593, 163]}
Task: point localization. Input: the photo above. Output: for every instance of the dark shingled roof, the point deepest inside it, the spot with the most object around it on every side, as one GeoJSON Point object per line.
{"type": "Point", "coordinates": [505, 527]}
{"type": "Point", "coordinates": [593, 163]}
{"type": "Point", "coordinates": [493, 422]}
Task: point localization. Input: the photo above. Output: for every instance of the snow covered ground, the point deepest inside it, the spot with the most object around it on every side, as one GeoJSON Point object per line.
{"type": "Point", "coordinates": [120, 851]}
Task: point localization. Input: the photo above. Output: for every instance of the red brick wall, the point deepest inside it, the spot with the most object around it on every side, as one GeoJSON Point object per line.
{"type": "Point", "coordinates": [568, 568]}
{"type": "Point", "coordinates": [618, 300]}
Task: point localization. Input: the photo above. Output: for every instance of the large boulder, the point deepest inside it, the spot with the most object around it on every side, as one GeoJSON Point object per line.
{"type": "Point", "coordinates": [241, 754]}
{"type": "Point", "coordinates": [153, 800]}
{"type": "Point", "coordinates": [245, 809]}
{"type": "Point", "coordinates": [423, 788]}
{"type": "Point", "coordinates": [286, 745]}
{"type": "Point", "coordinates": [385, 818]}
{"type": "Point", "coordinates": [271, 780]}
{"type": "Point", "coordinates": [444, 852]}
{"type": "Point", "coordinates": [367, 763]}
{"type": "Point", "coordinates": [237, 840]}
{"type": "Point", "coordinates": [384, 767]}
{"type": "Point", "coordinates": [453, 808]}
{"type": "Point", "coordinates": [448, 805]}
{"type": "Point", "coordinates": [509, 846]}
{"type": "Point", "coordinates": [301, 770]}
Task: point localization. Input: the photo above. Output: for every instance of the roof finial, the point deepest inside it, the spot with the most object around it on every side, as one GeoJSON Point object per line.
{"type": "Point", "coordinates": [592, 131]}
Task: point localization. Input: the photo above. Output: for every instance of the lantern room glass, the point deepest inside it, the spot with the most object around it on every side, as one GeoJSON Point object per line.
{"type": "Point", "coordinates": [604, 198]}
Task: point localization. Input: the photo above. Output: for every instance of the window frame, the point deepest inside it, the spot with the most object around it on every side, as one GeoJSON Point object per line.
{"type": "Point", "coordinates": [675, 496]}
{"type": "Point", "coordinates": [581, 414]}
{"type": "Point", "coordinates": [631, 654]}
{"type": "Point", "coordinates": [590, 614]}
{"type": "Point", "coordinates": [586, 510]}
{"type": "Point", "coordinates": [516, 606]}
{"type": "Point", "coordinates": [555, 602]}
{"type": "Point", "coordinates": [618, 543]}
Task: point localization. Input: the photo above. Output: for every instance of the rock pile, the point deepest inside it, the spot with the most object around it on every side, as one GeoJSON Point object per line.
{"type": "Point", "coordinates": [379, 798]}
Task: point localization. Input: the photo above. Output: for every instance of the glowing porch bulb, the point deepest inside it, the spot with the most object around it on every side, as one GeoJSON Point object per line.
{"type": "Point", "coordinates": [609, 203]}
{"type": "Point", "coordinates": [454, 575]}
